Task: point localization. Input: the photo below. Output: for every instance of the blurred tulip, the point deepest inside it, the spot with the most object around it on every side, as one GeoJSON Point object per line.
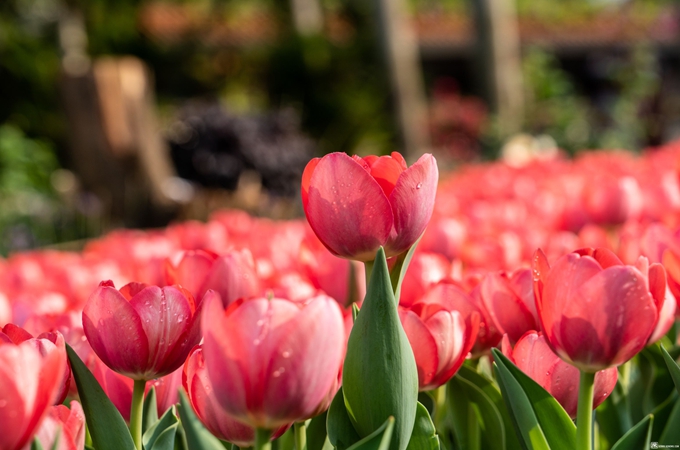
{"type": "Point", "coordinates": [355, 205]}
{"type": "Point", "coordinates": [440, 340]}
{"type": "Point", "coordinates": [424, 271]}
{"type": "Point", "coordinates": [231, 275]}
{"type": "Point", "coordinates": [533, 356]}
{"type": "Point", "coordinates": [199, 390]}
{"type": "Point", "coordinates": [595, 312]}
{"type": "Point", "coordinates": [272, 362]}
{"type": "Point", "coordinates": [142, 332]}
{"type": "Point", "coordinates": [30, 381]}
{"type": "Point", "coordinates": [67, 425]}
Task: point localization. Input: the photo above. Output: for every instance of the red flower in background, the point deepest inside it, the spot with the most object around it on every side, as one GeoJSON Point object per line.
{"type": "Point", "coordinates": [355, 205]}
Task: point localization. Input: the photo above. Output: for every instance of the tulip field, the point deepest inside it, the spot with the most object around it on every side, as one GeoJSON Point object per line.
{"type": "Point", "coordinates": [494, 307]}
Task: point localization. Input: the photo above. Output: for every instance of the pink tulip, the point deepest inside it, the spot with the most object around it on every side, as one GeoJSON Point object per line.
{"type": "Point", "coordinates": [533, 356]}
{"type": "Point", "coordinates": [142, 332]}
{"type": "Point", "coordinates": [199, 390]}
{"type": "Point", "coordinates": [440, 340]}
{"type": "Point", "coordinates": [30, 382]}
{"type": "Point", "coordinates": [595, 312]}
{"type": "Point", "coordinates": [67, 425]}
{"type": "Point", "coordinates": [231, 275]}
{"type": "Point", "coordinates": [273, 361]}
{"type": "Point", "coordinates": [355, 205]}
{"type": "Point", "coordinates": [424, 271]}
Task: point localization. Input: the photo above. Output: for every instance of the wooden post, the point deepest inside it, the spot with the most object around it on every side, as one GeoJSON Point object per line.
{"type": "Point", "coordinates": [400, 48]}
{"type": "Point", "coordinates": [499, 61]}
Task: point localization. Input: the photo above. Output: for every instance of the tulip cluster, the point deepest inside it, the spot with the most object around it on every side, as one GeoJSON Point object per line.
{"type": "Point", "coordinates": [571, 270]}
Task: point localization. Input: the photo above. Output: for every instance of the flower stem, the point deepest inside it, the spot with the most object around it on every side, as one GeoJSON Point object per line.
{"type": "Point", "coordinates": [137, 412]}
{"type": "Point", "coordinates": [584, 415]}
{"type": "Point", "coordinates": [439, 405]}
{"type": "Point", "coordinates": [474, 432]}
{"type": "Point", "coordinates": [262, 439]}
{"type": "Point", "coordinates": [300, 436]}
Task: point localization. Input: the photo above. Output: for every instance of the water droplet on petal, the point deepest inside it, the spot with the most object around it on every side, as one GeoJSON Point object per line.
{"type": "Point", "coordinates": [286, 354]}
{"type": "Point", "coordinates": [419, 185]}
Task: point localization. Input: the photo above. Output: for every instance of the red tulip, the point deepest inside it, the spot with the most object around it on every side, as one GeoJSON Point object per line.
{"type": "Point", "coordinates": [440, 340]}
{"type": "Point", "coordinates": [67, 425]}
{"type": "Point", "coordinates": [199, 390]}
{"type": "Point", "coordinates": [272, 362]}
{"type": "Point", "coordinates": [355, 205]}
{"type": "Point", "coordinates": [29, 384]}
{"type": "Point", "coordinates": [533, 356]}
{"type": "Point", "coordinates": [425, 270]}
{"type": "Point", "coordinates": [231, 275]}
{"type": "Point", "coordinates": [596, 312]}
{"type": "Point", "coordinates": [142, 332]}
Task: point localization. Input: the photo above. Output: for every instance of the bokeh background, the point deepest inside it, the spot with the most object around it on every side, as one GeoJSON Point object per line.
{"type": "Point", "coordinates": [136, 113]}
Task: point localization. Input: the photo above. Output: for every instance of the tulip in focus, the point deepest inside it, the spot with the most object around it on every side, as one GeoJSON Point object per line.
{"type": "Point", "coordinates": [30, 381]}
{"type": "Point", "coordinates": [440, 339]}
{"type": "Point", "coordinates": [533, 356]}
{"type": "Point", "coordinates": [273, 361]}
{"type": "Point", "coordinates": [199, 390]}
{"type": "Point", "coordinates": [356, 205]}
{"type": "Point", "coordinates": [596, 312]}
{"type": "Point", "coordinates": [142, 332]}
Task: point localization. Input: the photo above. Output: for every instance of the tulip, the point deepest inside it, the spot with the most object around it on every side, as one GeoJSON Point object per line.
{"type": "Point", "coordinates": [272, 361]}
{"type": "Point", "coordinates": [596, 312]}
{"type": "Point", "coordinates": [30, 382]}
{"type": "Point", "coordinates": [355, 205]}
{"type": "Point", "coordinates": [425, 270]}
{"type": "Point", "coordinates": [66, 425]}
{"type": "Point", "coordinates": [142, 332]}
{"type": "Point", "coordinates": [440, 340]}
{"type": "Point", "coordinates": [199, 391]}
{"type": "Point", "coordinates": [533, 356]}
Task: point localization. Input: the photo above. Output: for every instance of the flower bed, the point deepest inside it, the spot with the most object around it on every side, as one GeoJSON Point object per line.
{"type": "Point", "coordinates": [535, 294]}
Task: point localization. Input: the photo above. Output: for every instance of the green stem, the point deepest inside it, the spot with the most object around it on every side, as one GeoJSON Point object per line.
{"type": "Point", "coordinates": [368, 269]}
{"type": "Point", "coordinates": [300, 436]}
{"type": "Point", "coordinates": [137, 412]}
{"type": "Point", "coordinates": [474, 432]}
{"type": "Point", "coordinates": [439, 406]}
{"type": "Point", "coordinates": [584, 414]}
{"type": "Point", "coordinates": [262, 439]}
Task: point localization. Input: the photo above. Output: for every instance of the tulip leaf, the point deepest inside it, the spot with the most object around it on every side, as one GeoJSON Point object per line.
{"type": "Point", "coordinates": [637, 437]}
{"type": "Point", "coordinates": [36, 445]}
{"type": "Point", "coordinates": [471, 399]}
{"type": "Point", "coordinates": [198, 437]}
{"type": "Point", "coordinates": [379, 376]}
{"type": "Point", "coordinates": [107, 427]}
{"type": "Point", "coordinates": [341, 432]}
{"type": "Point", "coordinates": [424, 436]}
{"type": "Point", "coordinates": [671, 432]}
{"type": "Point", "coordinates": [150, 410]}
{"type": "Point", "coordinates": [316, 432]}
{"type": "Point", "coordinates": [399, 270]}
{"type": "Point", "coordinates": [673, 368]}
{"type": "Point", "coordinates": [166, 439]}
{"type": "Point", "coordinates": [662, 414]}
{"type": "Point", "coordinates": [379, 439]}
{"type": "Point", "coordinates": [152, 434]}
{"type": "Point", "coordinates": [613, 417]}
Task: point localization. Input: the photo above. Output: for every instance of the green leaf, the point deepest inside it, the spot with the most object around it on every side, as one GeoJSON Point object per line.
{"type": "Point", "coordinates": [671, 432]}
{"type": "Point", "coordinates": [673, 368]}
{"type": "Point", "coordinates": [424, 436]}
{"type": "Point", "coordinates": [662, 414]}
{"type": "Point", "coordinates": [462, 394]}
{"type": "Point", "coordinates": [399, 269]}
{"type": "Point", "coordinates": [166, 439]}
{"type": "Point", "coordinates": [637, 437]}
{"type": "Point", "coordinates": [107, 427]}
{"type": "Point", "coordinates": [152, 434]}
{"type": "Point", "coordinates": [36, 445]}
{"type": "Point", "coordinates": [198, 437]}
{"type": "Point", "coordinates": [613, 418]}
{"type": "Point", "coordinates": [341, 432]}
{"type": "Point", "coordinates": [150, 410]}
{"type": "Point", "coordinates": [316, 432]}
{"type": "Point", "coordinates": [379, 439]}
{"type": "Point", "coordinates": [379, 377]}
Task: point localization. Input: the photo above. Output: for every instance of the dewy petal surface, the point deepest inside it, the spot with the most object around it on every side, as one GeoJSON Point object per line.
{"type": "Point", "coordinates": [412, 203]}
{"type": "Point", "coordinates": [114, 330]}
{"type": "Point", "coordinates": [347, 208]}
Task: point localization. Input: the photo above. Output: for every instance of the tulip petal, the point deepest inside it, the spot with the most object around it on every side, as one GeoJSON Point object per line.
{"type": "Point", "coordinates": [609, 319]}
{"type": "Point", "coordinates": [18, 390]}
{"type": "Point", "coordinates": [191, 271]}
{"type": "Point", "coordinates": [386, 170]}
{"type": "Point", "coordinates": [115, 331]}
{"type": "Point", "coordinates": [347, 208]}
{"type": "Point", "coordinates": [307, 178]}
{"type": "Point", "coordinates": [412, 203]}
{"type": "Point", "coordinates": [423, 344]}
{"type": "Point", "coordinates": [452, 338]}
{"type": "Point", "coordinates": [506, 309]}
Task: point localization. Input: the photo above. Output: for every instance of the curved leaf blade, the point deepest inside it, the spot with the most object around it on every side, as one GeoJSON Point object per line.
{"type": "Point", "coordinates": [198, 437]}
{"type": "Point", "coordinates": [637, 437]}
